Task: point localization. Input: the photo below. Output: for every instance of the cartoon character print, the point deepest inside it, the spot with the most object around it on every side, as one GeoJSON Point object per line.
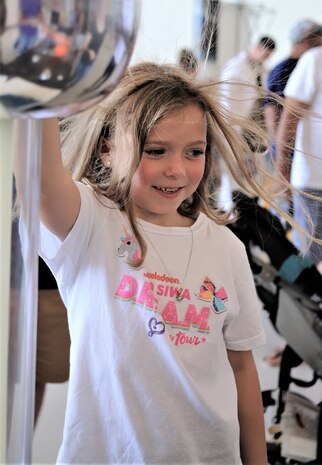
{"type": "Point", "coordinates": [208, 293]}
{"type": "Point", "coordinates": [128, 246]}
{"type": "Point", "coordinates": [145, 295]}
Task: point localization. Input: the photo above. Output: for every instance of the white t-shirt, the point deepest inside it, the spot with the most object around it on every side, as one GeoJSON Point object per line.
{"type": "Point", "coordinates": [150, 381]}
{"type": "Point", "coordinates": [305, 85]}
{"type": "Point", "coordinates": [237, 97]}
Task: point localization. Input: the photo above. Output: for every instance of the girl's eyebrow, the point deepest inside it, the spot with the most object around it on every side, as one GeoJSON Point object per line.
{"type": "Point", "coordinates": [158, 141]}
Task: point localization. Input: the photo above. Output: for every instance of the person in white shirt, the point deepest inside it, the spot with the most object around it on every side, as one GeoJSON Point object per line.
{"type": "Point", "coordinates": [241, 79]}
{"type": "Point", "coordinates": [301, 127]}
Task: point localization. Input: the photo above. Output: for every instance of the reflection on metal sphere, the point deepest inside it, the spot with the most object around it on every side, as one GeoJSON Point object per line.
{"type": "Point", "coordinates": [59, 57]}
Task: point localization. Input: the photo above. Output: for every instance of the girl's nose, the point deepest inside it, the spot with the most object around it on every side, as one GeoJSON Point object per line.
{"type": "Point", "coordinates": [174, 165]}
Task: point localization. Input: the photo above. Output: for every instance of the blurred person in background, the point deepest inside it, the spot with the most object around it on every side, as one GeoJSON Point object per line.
{"type": "Point", "coordinates": [240, 92]}
{"type": "Point", "coordinates": [188, 62]}
{"type": "Point", "coordinates": [299, 142]}
{"type": "Point", "coordinates": [304, 35]}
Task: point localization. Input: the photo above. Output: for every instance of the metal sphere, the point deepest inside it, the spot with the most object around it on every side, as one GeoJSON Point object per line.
{"type": "Point", "coordinates": [59, 57]}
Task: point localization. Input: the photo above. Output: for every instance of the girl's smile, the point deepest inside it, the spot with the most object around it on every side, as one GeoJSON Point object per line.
{"type": "Point", "coordinates": [168, 191]}
{"type": "Point", "coordinates": [171, 167]}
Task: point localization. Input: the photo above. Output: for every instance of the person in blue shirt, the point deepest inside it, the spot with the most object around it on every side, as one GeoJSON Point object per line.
{"type": "Point", "coordinates": [304, 35]}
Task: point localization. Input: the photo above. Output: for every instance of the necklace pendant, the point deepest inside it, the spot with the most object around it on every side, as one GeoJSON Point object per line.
{"type": "Point", "coordinates": [179, 296]}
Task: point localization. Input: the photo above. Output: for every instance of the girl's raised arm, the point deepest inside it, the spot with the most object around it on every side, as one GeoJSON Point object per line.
{"type": "Point", "coordinates": [59, 196]}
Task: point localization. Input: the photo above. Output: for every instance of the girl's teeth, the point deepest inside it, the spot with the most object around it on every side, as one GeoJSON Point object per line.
{"type": "Point", "coordinates": [167, 189]}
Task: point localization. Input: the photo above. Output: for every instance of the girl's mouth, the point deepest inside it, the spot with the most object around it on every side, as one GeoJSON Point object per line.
{"type": "Point", "coordinates": [168, 190]}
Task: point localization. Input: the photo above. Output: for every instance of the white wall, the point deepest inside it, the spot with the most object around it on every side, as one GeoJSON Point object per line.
{"type": "Point", "coordinates": [166, 26]}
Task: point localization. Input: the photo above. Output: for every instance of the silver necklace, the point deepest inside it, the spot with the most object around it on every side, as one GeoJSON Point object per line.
{"type": "Point", "coordinates": [178, 296]}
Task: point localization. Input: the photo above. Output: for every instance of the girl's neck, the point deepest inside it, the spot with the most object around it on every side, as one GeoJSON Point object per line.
{"type": "Point", "coordinates": [176, 220]}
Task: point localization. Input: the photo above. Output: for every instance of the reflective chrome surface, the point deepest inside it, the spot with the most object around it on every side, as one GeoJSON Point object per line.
{"type": "Point", "coordinates": [23, 298]}
{"type": "Point", "coordinates": [59, 57]}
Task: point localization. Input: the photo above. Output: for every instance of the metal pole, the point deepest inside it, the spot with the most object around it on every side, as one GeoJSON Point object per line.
{"type": "Point", "coordinates": [5, 234]}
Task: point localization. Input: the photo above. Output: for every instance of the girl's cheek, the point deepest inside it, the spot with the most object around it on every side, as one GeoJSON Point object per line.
{"type": "Point", "coordinates": [198, 175]}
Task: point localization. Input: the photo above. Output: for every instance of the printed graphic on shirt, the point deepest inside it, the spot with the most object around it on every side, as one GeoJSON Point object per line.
{"type": "Point", "coordinates": [158, 293]}
{"type": "Point", "coordinates": [128, 246]}
{"type": "Point", "coordinates": [184, 316]}
{"type": "Point", "coordinates": [156, 327]}
{"type": "Point", "coordinates": [208, 293]}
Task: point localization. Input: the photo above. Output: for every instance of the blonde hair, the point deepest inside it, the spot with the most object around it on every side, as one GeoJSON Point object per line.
{"type": "Point", "coordinates": [146, 93]}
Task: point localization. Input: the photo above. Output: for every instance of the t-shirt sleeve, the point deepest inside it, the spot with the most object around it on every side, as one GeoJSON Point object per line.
{"type": "Point", "coordinates": [64, 258]}
{"type": "Point", "coordinates": [302, 82]}
{"type": "Point", "coordinates": [244, 331]}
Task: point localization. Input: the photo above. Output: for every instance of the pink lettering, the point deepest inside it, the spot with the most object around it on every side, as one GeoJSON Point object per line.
{"type": "Point", "coordinates": [182, 338]}
{"type": "Point", "coordinates": [146, 296]}
{"type": "Point", "coordinates": [169, 314]}
{"type": "Point", "coordinates": [185, 294]}
{"type": "Point", "coordinates": [172, 291]}
{"type": "Point", "coordinates": [127, 288]}
{"type": "Point", "coordinates": [193, 318]}
{"type": "Point", "coordinates": [160, 289]}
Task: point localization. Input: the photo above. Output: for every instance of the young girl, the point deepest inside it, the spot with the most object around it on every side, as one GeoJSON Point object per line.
{"type": "Point", "coordinates": [162, 309]}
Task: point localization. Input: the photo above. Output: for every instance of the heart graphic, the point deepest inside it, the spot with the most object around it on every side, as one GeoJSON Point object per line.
{"type": "Point", "coordinates": [156, 327]}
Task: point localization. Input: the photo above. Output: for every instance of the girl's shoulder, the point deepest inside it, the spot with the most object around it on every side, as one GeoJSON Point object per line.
{"type": "Point", "coordinates": [220, 233]}
{"type": "Point", "coordinates": [89, 195]}
{"type": "Point", "coordinates": [96, 209]}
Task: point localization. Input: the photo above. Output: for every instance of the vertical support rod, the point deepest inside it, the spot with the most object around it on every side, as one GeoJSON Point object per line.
{"type": "Point", "coordinates": [24, 294]}
{"type": "Point", "coordinates": [6, 157]}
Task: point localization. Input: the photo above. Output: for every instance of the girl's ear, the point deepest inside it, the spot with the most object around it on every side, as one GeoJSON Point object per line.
{"type": "Point", "coordinates": [105, 153]}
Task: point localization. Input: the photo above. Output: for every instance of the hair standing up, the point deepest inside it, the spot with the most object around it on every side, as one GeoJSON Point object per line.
{"type": "Point", "coordinates": [146, 93]}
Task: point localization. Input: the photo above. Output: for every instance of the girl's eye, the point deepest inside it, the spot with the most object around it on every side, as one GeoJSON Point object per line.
{"type": "Point", "coordinates": [195, 153]}
{"type": "Point", "coordinates": [154, 152]}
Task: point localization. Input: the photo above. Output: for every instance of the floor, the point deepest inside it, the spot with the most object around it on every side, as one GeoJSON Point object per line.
{"type": "Point", "coordinates": [48, 432]}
